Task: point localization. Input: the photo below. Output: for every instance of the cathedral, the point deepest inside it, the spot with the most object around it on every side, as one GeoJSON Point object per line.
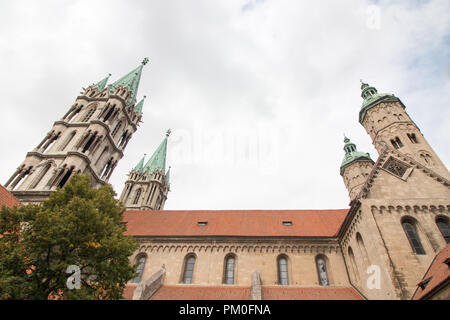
{"type": "Point", "coordinates": [391, 243]}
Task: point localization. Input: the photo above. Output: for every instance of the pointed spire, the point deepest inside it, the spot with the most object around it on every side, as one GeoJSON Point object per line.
{"type": "Point", "coordinates": [102, 83]}
{"type": "Point", "coordinates": [140, 165]}
{"type": "Point", "coordinates": [168, 176]}
{"type": "Point", "coordinates": [130, 80]}
{"type": "Point", "coordinates": [139, 105]}
{"type": "Point", "coordinates": [158, 160]}
{"type": "Point", "coordinates": [352, 154]}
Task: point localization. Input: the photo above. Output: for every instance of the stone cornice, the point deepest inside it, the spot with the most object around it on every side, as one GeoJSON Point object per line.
{"type": "Point", "coordinates": [227, 244]}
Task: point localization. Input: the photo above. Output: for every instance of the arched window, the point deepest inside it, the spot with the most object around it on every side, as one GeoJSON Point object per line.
{"type": "Point", "coordinates": [110, 111]}
{"type": "Point", "coordinates": [89, 115]}
{"type": "Point", "coordinates": [140, 268]}
{"type": "Point", "coordinates": [230, 262]}
{"type": "Point", "coordinates": [394, 144]}
{"type": "Point", "coordinates": [283, 275]}
{"type": "Point", "coordinates": [353, 263]}
{"type": "Point", "coordinates": [138, 194]}
{"type": "Point", "coordinates": [74, 113]}
{"type": "Point", "coordinates": [322, 271]}
{"type": "Point", "coordinates": [41, 175]}
{"type": "Point", "coordinates": [413, 237]}
{"type": "Point", "coordinates": [412, 137]}
{"type": "Point", "coordinates": [113, 134]}
{"type": "Point", "coordinates": [442, 223]}
{"type": "Point", "coordinates": [188, 269]}
{"type": "Point", "coordinates": [362, 249]}
{"type": "Point", "coordinates": [67, 141]}
{"type": "Point", "coordinates": [66, 177]}
{"type": "Point", "coordinates": [399, 142]}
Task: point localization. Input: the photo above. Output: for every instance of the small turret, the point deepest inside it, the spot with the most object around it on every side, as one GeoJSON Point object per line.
{"type": "Point", "coordinates": [148, 185]}
{"type": "Point", "coordinates": [355, 168]}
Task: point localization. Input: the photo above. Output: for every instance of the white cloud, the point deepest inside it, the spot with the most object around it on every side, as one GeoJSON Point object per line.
{"type": "Point", "coordinates": [290, 67]}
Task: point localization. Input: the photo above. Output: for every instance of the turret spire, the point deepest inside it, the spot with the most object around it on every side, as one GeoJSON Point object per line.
{"type": "Point", "coordinates": [140, 165]}
{"type": "Point", "coordinates": [158, 160]}
{"type": "Point", "coordinates": [102, 83]}
{"type": "Point", "coordinates": [130, 80]}
{"type": "Point", "coordinates": [139, 105]}
{"type": "Point", "coordinates": [167, 175]}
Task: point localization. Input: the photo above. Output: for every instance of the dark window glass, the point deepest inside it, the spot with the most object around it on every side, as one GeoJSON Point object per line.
{"type": "Point", "coordinates": [189, 270]}
{"type": "Point", "coordinates": [136, 198]}
{"type": "Point", "coordinates": [413, 238]}
{"type": "Point", "coordinates": [442, 224]}
{"type": "Point", "coordinates": [88, 115]}
{"type": "Point", "coordinates": [283, 271]}
{"type": "Point", "coordinates": [394, 144]}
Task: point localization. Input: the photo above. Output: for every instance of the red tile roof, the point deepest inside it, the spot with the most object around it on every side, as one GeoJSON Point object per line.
{"type": "Point", "coordinates": [310, 293]}
{"type": "Point", "coordinates": [250, 223]}
{"type": "Point", "coordinates": [199, 292]}
{"type": "Point", "coordinates": [6, 198]}
{"type": "Point", "coordinates": [439, 272]}
{"type": "Point", "coordinates": [195, 292]}
{"type": "Point", "coordinates": [128, 291]}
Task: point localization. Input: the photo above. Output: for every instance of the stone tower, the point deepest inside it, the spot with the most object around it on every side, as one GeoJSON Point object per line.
{"type": "Point", "coordinates": [148, 185]}
{"type": "Point", "coordinates": [355, 168]}
{"type": "Point", "coordinates": [386, 121]}
{"type": "Point", "coordinates": [399, 216]}
{"type": "Point", "coordinates": [89, 139]}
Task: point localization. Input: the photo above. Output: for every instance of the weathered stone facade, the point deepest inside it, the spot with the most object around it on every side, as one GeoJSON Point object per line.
{"type": "Point", "coordinates": [89, 139]}
{"type": "Point", "coordinates": [383, 248]}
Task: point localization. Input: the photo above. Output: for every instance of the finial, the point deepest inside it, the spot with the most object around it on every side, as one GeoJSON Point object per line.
{"type": "Point", "coordinates": [144, 62]}
{"type": "Point", "coordinates": [109, 74]}
{"type": "Point", "coordinates": [363, 84]}
{"type": "Point", "coordinates": [168, 132]}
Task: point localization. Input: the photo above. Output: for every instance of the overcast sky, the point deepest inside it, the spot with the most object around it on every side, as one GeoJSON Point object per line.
{"type": "Point", "coordinates": [258, 94]}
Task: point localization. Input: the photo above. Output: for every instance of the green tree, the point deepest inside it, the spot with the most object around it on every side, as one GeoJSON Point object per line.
{"type": "Point", "coordinates": [78, 226]}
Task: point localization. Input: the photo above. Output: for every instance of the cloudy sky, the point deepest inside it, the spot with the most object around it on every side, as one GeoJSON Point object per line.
{"type": "Point", "coordinates": [258, 94]}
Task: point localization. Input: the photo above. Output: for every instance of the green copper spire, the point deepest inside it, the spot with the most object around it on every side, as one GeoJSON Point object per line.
{"type": "Point", "coordinates": [168, 176]}
{"type": "Point", "coordinates": [102, 83]}
{"type": "Point", "coordinates": [130, 80]}
{"type": "Point", "coordinates": [140, 165]}
{"type": "Point", "coordinates": [138, 106]}
{"type": "Point", "coordinates": [158, 160]}
{"type": "Point", "coordinates": [372, 97]}
{"type": "Point", "coordinates": [352, 154]}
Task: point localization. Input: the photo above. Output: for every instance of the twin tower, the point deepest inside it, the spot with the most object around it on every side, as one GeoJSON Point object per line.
{"type": "Point", "coordinates": [90, 139]}
{"type": "Point", "coordinates": [92, 136]}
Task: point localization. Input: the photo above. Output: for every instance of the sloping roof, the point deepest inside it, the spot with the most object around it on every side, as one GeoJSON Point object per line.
{"type": "Point", "coordinates": [6, 198]}
{"type": "Point", "coordinates": [201, 292]}
{"type": "Point", "coordinates": [128, 291]}
{"type": "Point", "coordinates": [438, 273]}
{"type": "Point", "coordinates": [244, 223]}
{"type": "Point", "coordinates": [311, 293]}
{"type": "Point", "coordinates": [194, 292]}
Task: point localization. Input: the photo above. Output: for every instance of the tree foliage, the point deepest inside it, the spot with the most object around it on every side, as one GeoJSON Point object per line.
{"type": "Point", "coordinates": [78, 226]}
